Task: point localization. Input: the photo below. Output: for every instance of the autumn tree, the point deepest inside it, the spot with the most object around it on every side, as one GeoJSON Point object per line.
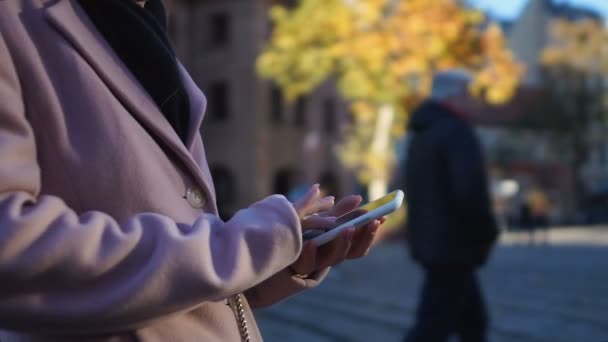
{"type": "Point", "coordinates": [382, 55]}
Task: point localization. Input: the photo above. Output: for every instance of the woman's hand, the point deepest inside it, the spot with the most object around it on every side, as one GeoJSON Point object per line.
{"type": "Point", "coordinates": [349, 244]}
{"type": "Point", "coordinates": [311, 205]}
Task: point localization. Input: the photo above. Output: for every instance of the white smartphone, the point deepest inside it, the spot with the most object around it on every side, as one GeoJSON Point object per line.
{"type": "Point", "coordinates": [358, 217]}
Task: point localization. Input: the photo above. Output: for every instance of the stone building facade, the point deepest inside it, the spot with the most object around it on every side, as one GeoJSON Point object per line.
{"type": "Point", "coordinates": [256, 142]}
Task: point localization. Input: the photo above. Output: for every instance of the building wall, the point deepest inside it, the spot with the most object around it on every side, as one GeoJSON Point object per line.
{"type": "Point", "coordinates": [528, 36]}
{"type": "Point", "coordinates": [249, 144]}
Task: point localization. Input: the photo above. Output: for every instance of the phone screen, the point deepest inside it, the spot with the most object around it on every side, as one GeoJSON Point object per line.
{"type": "Point", "coordinates": [365, 208]}
{"type": "Point", "coordinates": [353, 214]}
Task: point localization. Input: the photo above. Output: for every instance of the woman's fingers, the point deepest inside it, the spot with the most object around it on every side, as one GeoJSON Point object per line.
{"type": "Point", "coordinates": [306, 263]}
{"type": "Point", "coordinates": [319, 205]}
{"type": "Point", "coordinates": [311, 195]}
{"type": "Point", "coordinates": [345, 205]}
{"type": "Point", "coordinates": [336, 251]}
{"type": "Point", "coordinates": [318, 222]}
{"type": "Point", "coordinates": [363, 239]}
{"type": "Point", "coordinates": [351, 243]}
{"type": "Point", "coordinates": [311, 204]}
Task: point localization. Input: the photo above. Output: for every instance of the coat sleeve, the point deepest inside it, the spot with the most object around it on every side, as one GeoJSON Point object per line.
{"type": "Point", "coordinates": [65, 273]}
{"type": "Point", "coordinates": [469, 198]}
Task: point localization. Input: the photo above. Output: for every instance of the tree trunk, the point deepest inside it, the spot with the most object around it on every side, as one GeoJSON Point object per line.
{"type": "Point", "coordinates": [380, 145]}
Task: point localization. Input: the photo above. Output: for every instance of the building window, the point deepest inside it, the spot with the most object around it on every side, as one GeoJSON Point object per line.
{"type": "Point", "coordinates": [225, 190]}
{"type": "Point", "coordinates": [291, 4]}
{"type": "Point", "coordinates": [218, 101]}
{"type": "Point", "coordinates": [191, 18]}
{"type": "Point", "coordinates": [300, 112]}
{"type": "Point", "coordinates": [329, 116]}
{"type": "Point", "coordinates": [284, 181]}
{"type": "Point", "coordinates": [330, 184]}
{"type": "Point", "coordinates": [269, 29]}
{"type": "Point", "coordinates": [219, 31]}
{"type": "Point", "coordinates": [276, 104]}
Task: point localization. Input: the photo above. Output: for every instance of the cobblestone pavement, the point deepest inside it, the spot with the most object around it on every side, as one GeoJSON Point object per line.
{"type": "Point", "coordinates": [553, 292]}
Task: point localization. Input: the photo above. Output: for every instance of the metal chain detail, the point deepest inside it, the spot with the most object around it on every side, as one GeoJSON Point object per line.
{"type": "Point", "coordinates": [239, 310]}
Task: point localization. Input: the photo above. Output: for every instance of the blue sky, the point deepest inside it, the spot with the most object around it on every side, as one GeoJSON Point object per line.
{"type": "Point", "coordinates": [509, 9]}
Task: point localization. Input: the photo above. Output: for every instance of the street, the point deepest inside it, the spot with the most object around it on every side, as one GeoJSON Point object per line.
{"type": "Point", "coordinates": [550, 292]}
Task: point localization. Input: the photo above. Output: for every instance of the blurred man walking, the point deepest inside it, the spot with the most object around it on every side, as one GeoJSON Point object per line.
{"type": "Point", "coordinates": [451, 227]}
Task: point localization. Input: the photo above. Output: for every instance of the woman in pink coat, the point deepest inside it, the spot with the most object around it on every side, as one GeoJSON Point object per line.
{"type": "Point", "coordinates": [108, 224]}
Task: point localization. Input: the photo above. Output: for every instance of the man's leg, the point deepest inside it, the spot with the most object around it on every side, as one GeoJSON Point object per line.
{"type": "Point", "coordinates": [438, 309]}
{"type": "Point", "coordinates": [473, 326]}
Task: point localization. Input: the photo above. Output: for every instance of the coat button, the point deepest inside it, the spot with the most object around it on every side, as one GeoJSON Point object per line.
{"type": "Point", "coordinates": [194, 196]}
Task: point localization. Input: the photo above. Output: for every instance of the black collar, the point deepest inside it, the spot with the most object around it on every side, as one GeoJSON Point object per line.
{"type": "Point", "coordinates": [138, 36]}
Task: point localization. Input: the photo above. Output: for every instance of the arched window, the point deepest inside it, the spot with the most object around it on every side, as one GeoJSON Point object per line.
{"type": "Point", "coordinates": [330, 184]}
{"type": "Point", "coordinates": [225, 190]}
{"type": "Point", "coordinates": [300, 112]}
{"type": "Point", "coordinates": [218, 95]}
{"type": "Point", "coordinates": [330, 121]}
{"type": "Point", "coordinates": [276, 104]}
{"type": "Point", "coordinates": [219, 29]}
{"type": "Point", "coordinates": [284, 181]}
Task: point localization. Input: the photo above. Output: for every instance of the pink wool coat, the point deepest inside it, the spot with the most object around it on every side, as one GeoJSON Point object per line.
{"type": "Point", "coordinates": [108, 225]}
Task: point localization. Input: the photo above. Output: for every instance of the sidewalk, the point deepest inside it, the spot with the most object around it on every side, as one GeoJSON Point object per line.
{"type": "Point", "coordinates": [554, 292]}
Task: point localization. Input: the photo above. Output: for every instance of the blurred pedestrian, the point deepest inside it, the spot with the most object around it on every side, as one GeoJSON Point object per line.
{"type": "Point", "coordinates": [539, 206]}
{"type": "Point", "coordinates": [450, 224]}
{"type": "Point", "coordinates": [109, 229]}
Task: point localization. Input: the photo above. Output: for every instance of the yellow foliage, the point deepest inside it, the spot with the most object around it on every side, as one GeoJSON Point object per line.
{"type": "Point", "coordinates": [582, 45]}
{"type": "Point", "coordinates": [383, 52]}
{"type": "Point", "coordinates": [579, 46]}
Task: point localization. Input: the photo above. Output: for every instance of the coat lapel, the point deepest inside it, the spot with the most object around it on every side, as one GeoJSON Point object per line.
{"type": "Point", "coordinates": [72, 22]}
{"type": "Point", "coordinates": [198, 105]}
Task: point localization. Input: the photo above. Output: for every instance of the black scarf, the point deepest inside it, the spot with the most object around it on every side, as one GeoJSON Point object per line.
{"type": "Point", "coordinates": [138, 36]}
